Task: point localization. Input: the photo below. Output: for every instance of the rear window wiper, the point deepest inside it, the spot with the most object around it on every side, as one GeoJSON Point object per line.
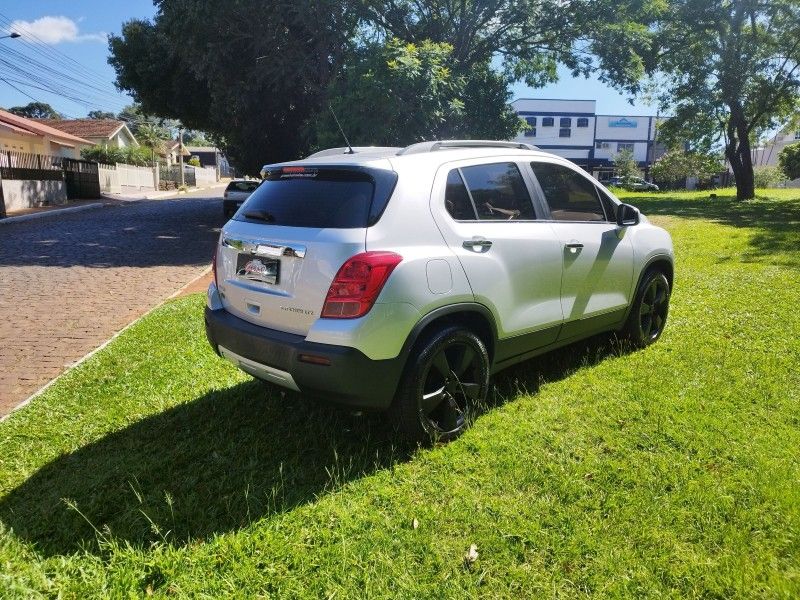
{"type": "Point", "coordinates": [259, 215]}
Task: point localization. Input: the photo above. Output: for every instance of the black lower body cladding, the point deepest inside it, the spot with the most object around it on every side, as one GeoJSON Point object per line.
{"type": "Point", "coordinates": [350, 379]}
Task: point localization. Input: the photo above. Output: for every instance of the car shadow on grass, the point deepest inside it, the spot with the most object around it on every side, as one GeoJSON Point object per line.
{"type": "Point", "coordinates": [774, 225]}
{"type": "Point", "coordinates": [223, 461]}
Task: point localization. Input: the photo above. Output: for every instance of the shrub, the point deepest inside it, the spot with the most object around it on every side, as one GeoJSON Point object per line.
{"type": "Point", "coordinates": [194, 161]}
{"type": "Point", "coordinates": [672, 169]}
{"type": "Point", "coordinates": [131, 155]}
{"type": "Point", "coordinates": [768, 177]}
{"type": "Point", "coordinates": [789, 161]}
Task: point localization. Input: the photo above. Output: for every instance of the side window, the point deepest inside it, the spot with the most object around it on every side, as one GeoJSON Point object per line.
{"type": "Point", "coordinates": [498, 192]}
{"type": "Point", "coordinates": [547, 121]}
{"type": "Point", "coordinates": [456, 198]}
{"type": "Point", "coordinates": [608, 205]}
{"type": "Point", "coordinates": [570, 196]}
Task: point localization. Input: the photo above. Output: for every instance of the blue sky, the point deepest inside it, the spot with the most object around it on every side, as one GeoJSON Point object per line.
{"type": "Point", "coordinates": [77, 30]}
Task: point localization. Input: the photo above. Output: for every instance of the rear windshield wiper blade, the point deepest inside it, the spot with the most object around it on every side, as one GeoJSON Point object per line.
{"type": "Point", "coordinates": [259, 215]}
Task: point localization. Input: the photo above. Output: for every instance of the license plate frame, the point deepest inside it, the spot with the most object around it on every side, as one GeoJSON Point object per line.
{"type": "Point", "coordinates": [258, 268]}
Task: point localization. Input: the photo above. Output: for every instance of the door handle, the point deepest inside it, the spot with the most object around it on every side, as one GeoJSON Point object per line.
{"type": "Point", "coordinates": [477, 244]}
{"type": "Point", "coordinates": [573, 246]}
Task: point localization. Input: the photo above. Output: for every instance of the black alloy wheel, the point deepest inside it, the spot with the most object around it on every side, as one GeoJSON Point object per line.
{"type": "Point", "coordinates": [443, 386]}
{"type": "Point", "coordinates": [649, 312]}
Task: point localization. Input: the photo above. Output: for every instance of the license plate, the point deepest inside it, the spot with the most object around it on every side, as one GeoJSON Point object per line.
{"type": "Point", "coordinates": [258, 268]}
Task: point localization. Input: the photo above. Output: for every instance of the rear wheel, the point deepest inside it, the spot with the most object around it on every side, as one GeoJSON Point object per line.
{"type": "Point", "coordinates": [649, 311]}
{"type": "Point", "coordinates": [444, 385]}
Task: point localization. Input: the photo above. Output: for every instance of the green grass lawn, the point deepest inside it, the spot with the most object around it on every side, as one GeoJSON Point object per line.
{"type": "Point", "coordinates": [157, 468]}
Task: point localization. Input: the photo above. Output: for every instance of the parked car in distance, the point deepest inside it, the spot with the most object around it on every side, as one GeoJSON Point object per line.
{"type": "Point", "coordinates": [236, 193]}
{"type": "Point", "coordinates": [633, 184]}
{"type": "Point", "coordinates": [401, 279]}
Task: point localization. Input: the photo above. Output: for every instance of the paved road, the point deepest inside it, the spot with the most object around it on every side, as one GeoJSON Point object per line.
{"type": "Point", "coordinates": [69, 282]}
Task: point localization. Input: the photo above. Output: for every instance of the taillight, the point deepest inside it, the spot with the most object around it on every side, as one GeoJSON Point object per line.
{"type": "Point", "coordinates": [358, 283]}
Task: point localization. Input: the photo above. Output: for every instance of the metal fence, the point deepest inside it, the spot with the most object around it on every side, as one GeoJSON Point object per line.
{"type": "Point", "coordinates": [25, 165]}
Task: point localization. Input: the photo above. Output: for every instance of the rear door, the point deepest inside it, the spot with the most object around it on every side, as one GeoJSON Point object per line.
{"type": "Point", "coordinates": [512, 261]}
{"type": "Point", "coordinates": [278, 256]}
{"type": "Point", "coordinates": [597, 256]}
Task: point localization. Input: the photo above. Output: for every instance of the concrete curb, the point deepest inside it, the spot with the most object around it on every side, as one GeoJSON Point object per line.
{"type": "Point", "coordinates": [47, 213]}
{"type": "Point", "coordinates": [159, 195]}
{"type": "Point", "coordinates": [88, 355]}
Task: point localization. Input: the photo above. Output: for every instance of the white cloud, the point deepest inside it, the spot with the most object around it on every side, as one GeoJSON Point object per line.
{"type": "Point", "coordinates": [54, 30]}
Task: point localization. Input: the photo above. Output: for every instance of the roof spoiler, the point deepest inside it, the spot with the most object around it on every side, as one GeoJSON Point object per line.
{"type": "Point", "coordinates": [451, 144]}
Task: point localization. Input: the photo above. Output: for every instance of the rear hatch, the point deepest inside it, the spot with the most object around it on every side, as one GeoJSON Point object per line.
{"type": "Point", "coordinates": [280, 253]}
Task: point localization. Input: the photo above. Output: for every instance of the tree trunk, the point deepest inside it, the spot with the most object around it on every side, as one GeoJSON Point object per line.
{"type": "Point", "coordinates": [737, 151]}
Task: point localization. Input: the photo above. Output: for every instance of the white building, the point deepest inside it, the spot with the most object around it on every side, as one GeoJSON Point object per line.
{"type": "Point", "coordinates": [767, 155]}
{"type": "Point", "coordinates": [574, 130]}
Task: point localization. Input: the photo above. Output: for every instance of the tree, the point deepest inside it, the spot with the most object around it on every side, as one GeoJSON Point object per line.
{"type": "Point", "coordinates": [100, 114]}
{"type": "Point", "coordinates": [252, 74]}
{"type": "Point", "coordinates": [625, 165]}
{"type": "Point", "coordinates": [260, 75]}
{"type": "Point", "coordinates": [427, 100]}
{"type": "Point", "coordinates": [150, 137]}
{"type": "Point", "coordinates": [135, 118]}
{"type": "Point", "coordinates": [36, 110]}
{"type": "Point", "coordinates": [789, 161]}
{"type": "Point", "coordinates": [677, 165]}
{"type": "Point", "coordinates": [728, 69]}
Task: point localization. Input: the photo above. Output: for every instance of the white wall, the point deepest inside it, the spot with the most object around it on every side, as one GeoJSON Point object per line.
{"type": "Point", "coordinates": [205, 175]}
{"type": "Point", "coordinates": [25, 193]}
{"type": "Point", "coordinates": [124, 178]}
{"type": "Point", "coordinates": [616, 129]}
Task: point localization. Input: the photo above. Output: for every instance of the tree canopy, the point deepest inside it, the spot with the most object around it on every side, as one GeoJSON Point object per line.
{"type": "Point", "coordinates": [100, 114]}
{"type": "Point", "coordinates": [261, 75]}
{"type": "Point", "coordinates": [674, 167]}
{"type": "Point", "coordinates": [36, 110]}
{"type": "Point", "coordinates": [726, 70]}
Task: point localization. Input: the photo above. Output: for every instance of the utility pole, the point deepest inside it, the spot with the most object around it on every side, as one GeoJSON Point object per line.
{"type": "Point", "coordinates": [180, 154]}
{"type": "Point", "coordinates": [13, 35]}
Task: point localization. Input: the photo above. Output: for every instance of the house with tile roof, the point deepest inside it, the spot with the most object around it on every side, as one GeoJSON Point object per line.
{"type": "Point", "coordinates": [110, 133]}
{"type": "Point", "coordinates": [20, 134]}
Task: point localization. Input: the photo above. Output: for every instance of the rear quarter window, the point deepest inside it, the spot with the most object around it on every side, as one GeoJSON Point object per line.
{"type": "Point", "coordinates": [242, 186]}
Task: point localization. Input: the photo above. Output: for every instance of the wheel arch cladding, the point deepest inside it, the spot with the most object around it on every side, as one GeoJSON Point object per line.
{"type": "Point", "coordinates": [475, 317]}
{"type": "Point", "coordinates": [662, 264]}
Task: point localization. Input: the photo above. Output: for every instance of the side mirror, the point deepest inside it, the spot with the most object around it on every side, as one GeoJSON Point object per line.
{"type": "Point", "coordinates": [627, 215]}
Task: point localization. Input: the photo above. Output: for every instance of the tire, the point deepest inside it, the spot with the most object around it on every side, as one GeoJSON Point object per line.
{"type": "Point", "coordinates": [649, 310]}
{"type": "Point", "coordinates": [444, 385]}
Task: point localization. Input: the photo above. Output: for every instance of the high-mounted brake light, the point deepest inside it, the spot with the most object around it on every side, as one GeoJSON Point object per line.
{"type": "Point", "coordinates": [358, 283]}
{"type": "Point", "coordinates": [294, 169]}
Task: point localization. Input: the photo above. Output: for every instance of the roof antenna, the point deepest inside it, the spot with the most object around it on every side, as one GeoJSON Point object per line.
{"type": "Point", "coordinates": [346, 141]}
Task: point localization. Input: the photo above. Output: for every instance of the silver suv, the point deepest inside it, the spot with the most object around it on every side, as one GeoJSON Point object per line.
{"type": "Point", "coordinates": [401, 279]}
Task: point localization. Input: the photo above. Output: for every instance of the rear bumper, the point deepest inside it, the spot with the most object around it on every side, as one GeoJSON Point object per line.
{"type": "Point", "coordinates": [351, 378]}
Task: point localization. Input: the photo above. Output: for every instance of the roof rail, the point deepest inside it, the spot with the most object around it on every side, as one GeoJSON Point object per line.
{"type": "Point", "coordinates": [422, 147]}
{"type": "Point", "coordinates": [355, 150]}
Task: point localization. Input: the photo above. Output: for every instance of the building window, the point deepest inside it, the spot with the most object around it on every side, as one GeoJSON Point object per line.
{"type": "Point", "coordinates": [547, 121]}
{"type": "Point", "coordinates": [601, 145]}
{"type": "Point", "coordinates": [797, 135]}
{"type": "Point", "coordinates": [565, 122]}
{"type": "Point", "coordinates": [583, 121]}
{"type": "Point", "coordinates": [531, 132]}
{"type": "Point", "coordinates": [624, 146]}
{"type": "Point", "coordinates": [565, 132]}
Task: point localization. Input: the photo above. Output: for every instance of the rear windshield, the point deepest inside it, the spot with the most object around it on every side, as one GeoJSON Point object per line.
{"type": "Point", "coordinates": [319, 198]}
{"type": "Point", "coordinates": [242, 186]}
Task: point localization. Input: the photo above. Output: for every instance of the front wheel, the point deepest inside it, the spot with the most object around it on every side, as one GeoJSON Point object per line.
{"type": "Point", "coordinates": [444, 385]}
{"type": "Point", "coordinates": [649, 311]}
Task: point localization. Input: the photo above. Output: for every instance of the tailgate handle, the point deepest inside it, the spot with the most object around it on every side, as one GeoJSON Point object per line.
{"type": "Point", "coordinates": [260, 248]}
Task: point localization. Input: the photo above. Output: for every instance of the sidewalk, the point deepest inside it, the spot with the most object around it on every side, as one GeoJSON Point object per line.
{"type": "Point", "coordinates": [156, 195]}
{"type": "Point", "coordinates": [106, 199]}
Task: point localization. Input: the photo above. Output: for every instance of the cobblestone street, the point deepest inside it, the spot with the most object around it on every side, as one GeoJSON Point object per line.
{"type": "Point", "coordinates": [69, 282]}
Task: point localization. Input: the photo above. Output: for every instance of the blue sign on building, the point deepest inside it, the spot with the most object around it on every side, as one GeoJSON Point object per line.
{"type": "Point", "coordinates": [623, 122]}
